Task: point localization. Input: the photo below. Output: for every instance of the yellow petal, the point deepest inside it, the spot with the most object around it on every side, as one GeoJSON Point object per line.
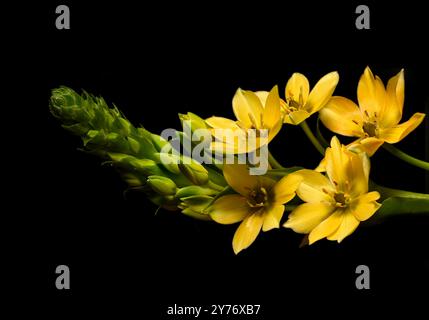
{"type": "Point", "coordinates": [400, 131]}
{"type": "Point", "coordinates": [272, 115]}
{"type": "Point", "coordinates": [296, 117]}
{"type": "Point", "coordinates": [274, 130]}
{"type": "Point", "coordinates": [365, 206]}
{"type": "Point", "coordinates": [348, 224]}
{"type": "Point", "coordinates": [342, 116]}
{"type": "Point", "coordinates": [297, 86]}
{"type": "Point", "coordinates": [371, 93]}
{"type": "Point", "coordinates": [322, 166]}
{"type": "Point", "coordinates": [357, 174]}
{"type": "Point", "coordinates": [314, 187]}
{"type": "Point", "coordinates": [307, 216]}
{"type": "Point", "coordinates": [262, 95]}
{"type": "Point", "coordinates": [284, 190]}
{"type": "Point", "coordinates": [222, 123]}
{"type": "Point", "coordinates": [337, 161]}
{"type": "Point", "coordinates": [392, 112]}
{"type": "Point", "coordinates": [247, 108]}
{"type": "Point", "coordinates": [322, 92]}
{"type": "Point", "coordinates": [272, 217]}
{"type": "Point", "coordinates": [238, 177]}
{"type": "Point", "coordinates": [230, 209]}
{"type": "Point", "coordinates": [247, 232]}
{"type": "Point", "coordinates": [223, 148]}
{"type": "Point", "coordinates": [368, 145]}
{"type": "Point", "coordinates": [326, 227]}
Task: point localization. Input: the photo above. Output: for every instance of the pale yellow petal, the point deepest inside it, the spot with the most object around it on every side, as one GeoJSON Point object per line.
{"type": "Point", "coordinates": [272, 217]}
{"type": "Point", "coordinates": [371, 94]}
{"type": "Point", "coordinates": [348, 224]}
{"type": "Point", "coordinates": [392, 112]}
{"type": "Point", "coordinates": [222, 123]}
{"type": "Point", "coordinates": [326, 227]}
{"type": "Point", "coordinates": [314, 187]}
{"type": "Point", "coordinates": [262, 95]}
{"type": "Point", "coordinates": [337, 161]}
{"type": "Point", "coordinates": [322, 166]}
{"type": "Point", "coordinates": [238, 178]}
{"type": "Point", "coordinates": [400, 131]}
{"type": "Point", "coordinates": [284, 190]}
{"type": "Point", "coordinates": [247, 108]}
{"type": "Point", "coordinates": [296, 87]}
{"type": "Point", "coordinates": [365, 206]}
{"type": "Point", "coordinates": [254, 108]}
{"type": "Point", "coordinates": [357, 174]}
{"type": "Point", "coordinates": [296, 117]}
{"type": "Point", "coordinates": [223, 148]}
{"type": "Point", "coordinates": [322, 92]}
{"type": "Point", "coordinates": [368, 145]}
{"type": "Point", "coordinates": [307, 216]}
{"type": "Point", "coordinates": [342, 116]}
{"type": "Point", "coordinates": [230, 209]}
{"type": "Point", "coordinates": [272, 115]}
{"type": "Point", "coordinates": [274, 130]}
{"type": "Point", "coordinates": [247, 232]}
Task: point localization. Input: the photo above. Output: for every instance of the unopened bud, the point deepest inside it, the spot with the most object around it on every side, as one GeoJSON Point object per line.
{"type": "Point", "coordinates": [195, 172]}
{"type": "Point", "coordinates": [194, 191]}
{"type": "Point", "coordinates": [162, 185]}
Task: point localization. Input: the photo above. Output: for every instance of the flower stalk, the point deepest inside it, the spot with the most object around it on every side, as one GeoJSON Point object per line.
{"type": "Point", "coordinates": [312, 137]}
{"type": "Point", "coordinates": [406, 157]}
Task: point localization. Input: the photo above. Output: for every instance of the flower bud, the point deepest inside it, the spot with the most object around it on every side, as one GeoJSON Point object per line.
{"type": "Point", "coordinates": [195, 172]}
{"type": "Point", "coordinates": [195, 206]}
{"type": "Point", "coordinates": [191, 122]}
{"type": "Point", "coordinates": [194, 191]}
{"type": "Point", "coordinates": [162, 185]}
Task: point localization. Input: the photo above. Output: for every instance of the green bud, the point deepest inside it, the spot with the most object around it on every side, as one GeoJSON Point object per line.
{"type": "Point", "coordinates": [196, 215]}
{"type": "Point", "coordinates": [196, 203]}
{"type": "Point", "coordinates": [158, 142]}
{"type": "Point", "coordinates": [169, 161]}
{"type": "Point", "coordinates": [132, 180]}
{"type": "Point", "coordinates": [167, 202]}
{"type": "Point", "coordinates": [216, 177]}
{"type": "Point", "coordinates": [162, 185]}
{"type": "Point", "coordinates": [194, 206]}
{"type": "Point", "coordinates": [146, 166]}
{"type": "Point", "coordinates": [195, 172]}
{"type": "Point", "coordinates": [194, 191]}
{"type": "Point", "coordinates": [134, 145]}
{"type": "Point", "coordinates": [192, 122]}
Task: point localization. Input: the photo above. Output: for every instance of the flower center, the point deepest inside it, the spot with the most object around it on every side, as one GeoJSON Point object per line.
{"type": "Point", "coordinates": [258, 197]}
{"type": "Point", "coordinates": [341, 199]}
{"type": "Point", "coordinates": [370, 129]}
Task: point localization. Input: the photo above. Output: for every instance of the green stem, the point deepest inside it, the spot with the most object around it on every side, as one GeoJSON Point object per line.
{"type": "Point", "coordinates": [386, 192]}
{"type": "Point", "coordinates": [320, 136]}
{"type": "Point", "coordinates": [273, 162]}
{"type": "Point", "coordinates": [406, 157]}
{"type": "Point", "coordinates": [312, 138]}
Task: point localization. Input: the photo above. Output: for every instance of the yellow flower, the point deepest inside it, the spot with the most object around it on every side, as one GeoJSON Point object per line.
{"type": "Point", "coordinates": [300, 102]}
{"type": "Point", "coordinates": [253, 110]}
{"type": "Point", "coordinates": [376, 119]}
{"type": "Point", "coordinates": [259, 203]}
{"type": "Point", "coordinates": [336, 203]}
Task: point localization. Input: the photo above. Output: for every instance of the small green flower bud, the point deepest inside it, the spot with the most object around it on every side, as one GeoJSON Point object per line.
{"type": "Point", "coordinates": [162, 185]}
{"type": "Point", "coordinates": [191, 122]}
{"type": "Point", "coordinates": [195, 172]}
{"type": "Point", "coordinates": [194, 191]}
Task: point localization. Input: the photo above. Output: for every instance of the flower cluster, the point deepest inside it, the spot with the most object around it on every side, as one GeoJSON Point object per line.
{"type": "Point", "coordinates": [327, 202]}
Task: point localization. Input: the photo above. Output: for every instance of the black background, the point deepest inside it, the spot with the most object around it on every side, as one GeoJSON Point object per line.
{"type": "Point", "coordinates": [156, 60]}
